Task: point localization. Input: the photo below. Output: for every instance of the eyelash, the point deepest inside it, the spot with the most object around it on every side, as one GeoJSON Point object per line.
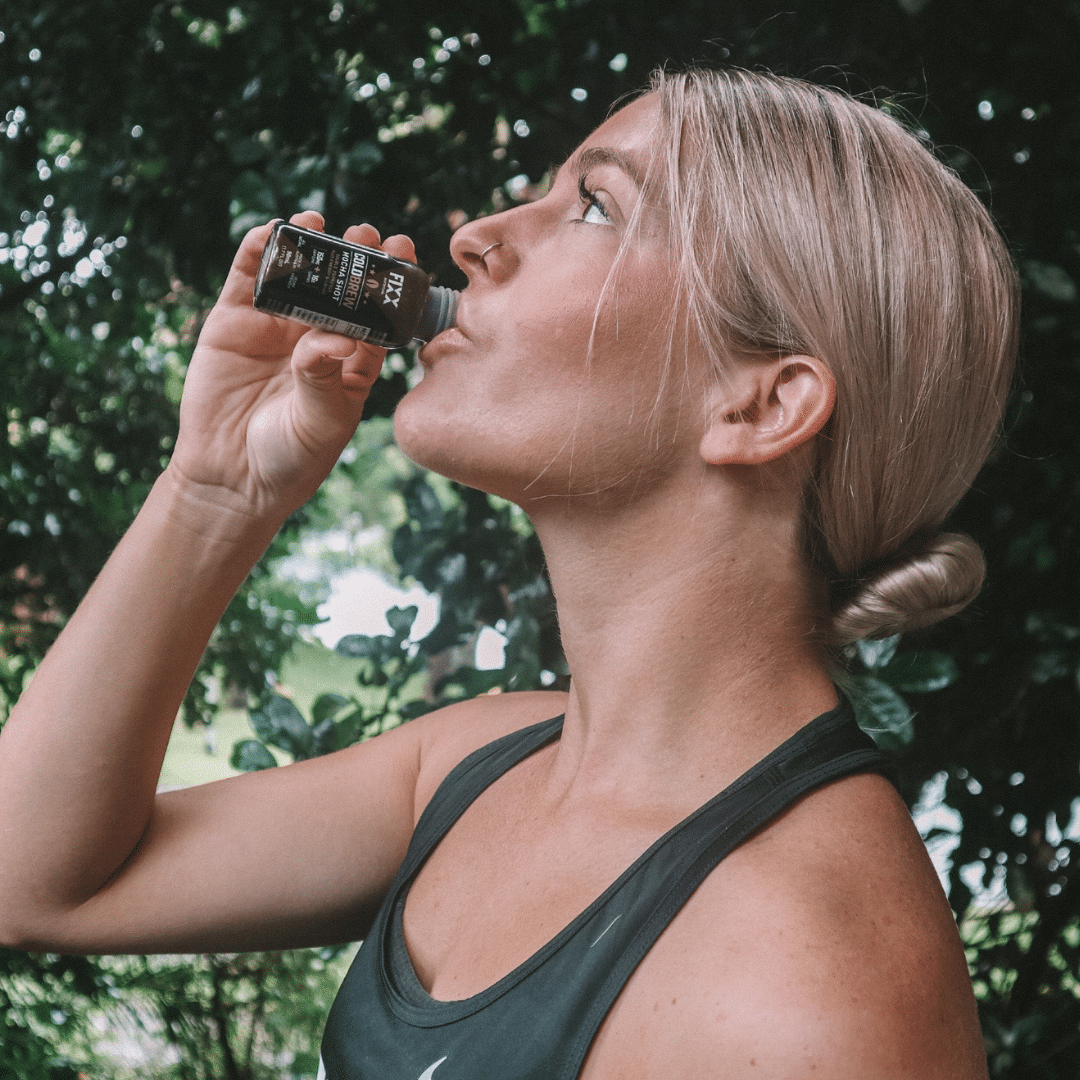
{"type": "Point", "coordinates": [590, 199]}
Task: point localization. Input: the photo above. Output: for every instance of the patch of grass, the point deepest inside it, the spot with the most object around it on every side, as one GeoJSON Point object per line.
{"type": "Point", "coordinates": [197, 756]}
{"type": "Point", "coordinates": [313, 669]}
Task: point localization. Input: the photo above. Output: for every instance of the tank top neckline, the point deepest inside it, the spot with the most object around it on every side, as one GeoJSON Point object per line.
{"type": "Point", "coordinates": [405, 992]}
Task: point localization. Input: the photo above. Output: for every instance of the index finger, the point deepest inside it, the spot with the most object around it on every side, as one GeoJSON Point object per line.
{"type": "Point", "coordinates": [240, 284]}
{"type": "Point", "coordinates": [239, 287]}
{"type": "Point", "coordinates": [399, 245]}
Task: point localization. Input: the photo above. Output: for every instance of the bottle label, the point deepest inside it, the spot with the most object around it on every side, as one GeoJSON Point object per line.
{"type": "Point", "coordinates": [317, 319]}
{"type": "Point", "coordinates": [345, 288]}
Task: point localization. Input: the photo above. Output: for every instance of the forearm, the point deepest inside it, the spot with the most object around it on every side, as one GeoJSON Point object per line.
{"type": "Point", "coordinates": [268, 407]}
{"type": "Point", "coordinates": [81, 754]}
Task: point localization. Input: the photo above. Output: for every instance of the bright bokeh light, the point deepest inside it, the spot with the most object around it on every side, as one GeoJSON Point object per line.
{"type": "Point", "coordinates": [359, 600]}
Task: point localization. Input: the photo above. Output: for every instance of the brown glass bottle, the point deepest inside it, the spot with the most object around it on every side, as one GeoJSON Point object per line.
{"type": "Point", "coordinates": [350, 289]}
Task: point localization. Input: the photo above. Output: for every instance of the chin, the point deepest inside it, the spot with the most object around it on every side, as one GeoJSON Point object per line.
{"type": "Point", "coordinates": [432, 434]}
{"type": "Point", "coordinates": [446, 445]}
{"type": "Point", "coordinates": [414, 432]}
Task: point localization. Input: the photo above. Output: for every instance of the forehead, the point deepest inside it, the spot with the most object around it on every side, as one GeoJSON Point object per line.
{"type": "Point", "coordinates": [628, 139]}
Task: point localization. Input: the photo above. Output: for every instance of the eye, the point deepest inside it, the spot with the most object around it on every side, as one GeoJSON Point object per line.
{"type": "Point", "coordinates": [594, 212]}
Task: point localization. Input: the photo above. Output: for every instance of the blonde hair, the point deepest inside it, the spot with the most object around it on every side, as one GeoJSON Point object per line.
{"type": "Point", "coordinates": [811, 223]}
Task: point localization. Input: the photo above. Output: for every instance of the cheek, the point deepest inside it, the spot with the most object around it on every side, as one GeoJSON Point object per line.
{"type": "Point", "coordinates": [553, 397]}
{"type": "Point", "coordinates": [549, 318]}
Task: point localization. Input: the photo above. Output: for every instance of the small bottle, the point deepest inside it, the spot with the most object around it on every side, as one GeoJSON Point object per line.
{"type": "Point", "coordinates": [350, 289]}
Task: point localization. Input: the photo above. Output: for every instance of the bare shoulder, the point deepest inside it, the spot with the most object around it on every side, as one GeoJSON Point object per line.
{"type": "Point", "coordinates": [865, 945]}
{"type": "Point", "coordinates": [824, 946]}
{"type": "Point", "coordinates": [449, 735]}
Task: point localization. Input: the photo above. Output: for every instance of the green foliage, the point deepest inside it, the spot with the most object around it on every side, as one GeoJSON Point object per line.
{"type": "Point", "coordinates": [43, 1001]}
{"type": "Point", "coordinates": [253, 1016]}
{"type": "Point", "coordinates": [480, 557]}
{"type": "Point", "coordinates": [249, 1017]}
{"type": "Point", "coordinates": [142, 137]}
{"type": "Point", "coordinates": [877, 691]}
{"type": "Point", "coordinates": [388, 665]}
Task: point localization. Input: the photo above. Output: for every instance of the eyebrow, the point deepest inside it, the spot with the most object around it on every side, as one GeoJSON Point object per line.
{"type": "Point", "coordinates": [592, 156]}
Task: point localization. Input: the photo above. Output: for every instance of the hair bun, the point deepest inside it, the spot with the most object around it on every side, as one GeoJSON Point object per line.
{"type": "Point", "coordinates": [928, 581]}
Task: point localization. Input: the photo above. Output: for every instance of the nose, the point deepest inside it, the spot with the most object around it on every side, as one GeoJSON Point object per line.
{"type": "Point", "coordinates": [484, 248]}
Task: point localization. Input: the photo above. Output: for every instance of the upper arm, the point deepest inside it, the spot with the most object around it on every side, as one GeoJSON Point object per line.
{"type": "Point", "coordinates": [282, 858]}
{"type": "Point", "coordinates": [860, 971]}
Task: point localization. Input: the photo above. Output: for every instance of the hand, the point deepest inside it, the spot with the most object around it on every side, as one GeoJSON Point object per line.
{"type": "Point", "coordinates": [268, 405]}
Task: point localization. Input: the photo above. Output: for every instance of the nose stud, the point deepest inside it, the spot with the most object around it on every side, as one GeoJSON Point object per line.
{"type": "Point", "coordinates": [490, 247]}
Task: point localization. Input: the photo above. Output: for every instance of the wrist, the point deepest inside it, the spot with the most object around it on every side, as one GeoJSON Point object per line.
{"type": "Point", "coordinates": [216, 516]}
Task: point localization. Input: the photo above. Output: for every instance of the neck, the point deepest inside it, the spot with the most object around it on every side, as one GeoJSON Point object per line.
{"type": "Point", "coordinates": [687, 625]}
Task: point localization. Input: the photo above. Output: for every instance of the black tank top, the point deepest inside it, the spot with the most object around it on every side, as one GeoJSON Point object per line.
{"type": "Point", "coordinates": [538, 1022]}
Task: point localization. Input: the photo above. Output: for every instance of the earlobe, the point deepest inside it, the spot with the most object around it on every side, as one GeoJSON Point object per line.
{"type": "Point", "coordinates": [767, 409]}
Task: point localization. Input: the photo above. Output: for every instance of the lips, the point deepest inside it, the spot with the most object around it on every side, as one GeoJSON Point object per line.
{"type": "Point", "coordinates": [453, 336]}
{"type": "Point", "coordinates": [461, 319]}
{"type": "Point", "coordinates": [449, 340]}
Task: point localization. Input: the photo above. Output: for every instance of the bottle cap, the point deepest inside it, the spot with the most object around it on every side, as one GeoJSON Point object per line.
{"type": "Point", "coordinates": [438, 313]}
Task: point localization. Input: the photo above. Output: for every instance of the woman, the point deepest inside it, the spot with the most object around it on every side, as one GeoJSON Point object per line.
{"type": "Point", "coordinates": [737, 365]}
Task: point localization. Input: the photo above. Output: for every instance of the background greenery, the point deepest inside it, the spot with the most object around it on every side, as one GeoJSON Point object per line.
{"type": "Point", "coordinates": [140, 139]}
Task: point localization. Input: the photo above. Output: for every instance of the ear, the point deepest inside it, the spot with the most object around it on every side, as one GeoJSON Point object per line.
{"type": "Point", "coordinates": [767, 409]}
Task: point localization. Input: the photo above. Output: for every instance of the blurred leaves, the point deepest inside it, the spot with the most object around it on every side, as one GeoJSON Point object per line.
{"type": "Point", "coordinates": [250, 755]}
{"type": "Point", "coordinates": [882, 712]}
{"type": "Point", "coordinates": [876, 694]}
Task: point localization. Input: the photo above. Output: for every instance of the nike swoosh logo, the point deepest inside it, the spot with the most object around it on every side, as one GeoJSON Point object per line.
{"type": "Point", "coordinates": [607, 928]}
{"type": "Point", "coordinates": [429, 1072]}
